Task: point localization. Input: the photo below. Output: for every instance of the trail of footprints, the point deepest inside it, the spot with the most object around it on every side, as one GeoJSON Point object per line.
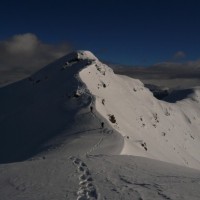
{"type": "Point", "coordinates": [104, 132]}
{"type": "Point", "coordinates": [87, 189]}
{"type": "Point", "coordinates": [96, 146]}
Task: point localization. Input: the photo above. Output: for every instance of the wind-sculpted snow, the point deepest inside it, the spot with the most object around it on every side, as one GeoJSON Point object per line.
{"type": "Point", "coordinates": [76, 121]}
{"type": "Point", "coordinates": [99, 177]}
{"type": "Point", "coordinates": [129, 177]}
{"type": "Point", "coordinates": [150, 127]}
{"type": "Point", "coordinates": [47, 104]}
{"type": "Point", "coordinates": [41, 107]}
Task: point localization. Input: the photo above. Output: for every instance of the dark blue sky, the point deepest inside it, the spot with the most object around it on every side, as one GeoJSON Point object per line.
{"type": "Point", "coordinates": [121, 31]}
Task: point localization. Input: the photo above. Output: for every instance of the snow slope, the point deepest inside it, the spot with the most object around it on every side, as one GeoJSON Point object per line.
{"type": "Point", "coordinates": [151, 128]}
{"type": "Point", "coordinates": [99, 177]}
{"type": "Point", "coordinates": [39, 113]}
{"type": "Point", "coordinates": [79, 129]}
{"type": "Point", "coordinates": [52, 100]}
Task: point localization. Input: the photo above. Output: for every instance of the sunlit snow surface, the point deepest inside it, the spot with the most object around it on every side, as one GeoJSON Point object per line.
{"type": "Point", "coordinates": [78, 129]}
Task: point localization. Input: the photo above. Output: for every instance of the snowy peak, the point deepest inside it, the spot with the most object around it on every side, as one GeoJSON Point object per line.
{"type": "Point", "coordinates": [42, 106]}
{"type": "Point", "coordinates": [81, 54]}
{"type": "Point", "coordinates": [78, 56]}
{"type": "Point", "coordinates": [74, 118]}
{"type": "Point", "coordinates": [150, 127]}
{"type": "Point", "coordinates": [51, 101]}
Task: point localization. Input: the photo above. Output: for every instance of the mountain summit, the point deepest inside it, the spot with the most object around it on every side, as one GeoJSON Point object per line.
{"type": "Point", "coordinates": [84, 132]}
{"type": "Point", "coordinates": [51, 104]}
{"type": "Point", "coordinates": [47, 104]}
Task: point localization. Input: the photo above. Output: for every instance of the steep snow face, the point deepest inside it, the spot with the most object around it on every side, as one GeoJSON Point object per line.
{"type": "Point", "coordinates": [53, 101]}
{"type": "Point", "coordinates": [54, 110]}
{"type": "Point", "coordinates": [151, 128]}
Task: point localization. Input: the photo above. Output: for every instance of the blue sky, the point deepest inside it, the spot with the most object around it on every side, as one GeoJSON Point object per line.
{"type": "Point", "coordinates": [120, 31]}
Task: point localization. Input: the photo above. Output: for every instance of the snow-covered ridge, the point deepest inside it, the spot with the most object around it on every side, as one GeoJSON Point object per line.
{"type": "Point", "coordinates": [46, 110]}
{"type": "Point", "coordinates": [151, 128]}
{"type": "Point", "coordinates": [42, 106]}
{"type": "Point", "coordinates": [56, 98]}
{"type": "Point", "coordinates": [51, 119]}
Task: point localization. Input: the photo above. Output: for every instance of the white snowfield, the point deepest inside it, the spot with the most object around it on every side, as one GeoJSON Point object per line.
{"type": "Point", "coordinates": [85, 133]}
{"type": "Point", "coordinates": [151, 128]}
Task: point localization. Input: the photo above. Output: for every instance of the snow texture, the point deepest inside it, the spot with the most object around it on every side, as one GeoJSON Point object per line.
{"type": "Point", "coordinates": [83, 132]}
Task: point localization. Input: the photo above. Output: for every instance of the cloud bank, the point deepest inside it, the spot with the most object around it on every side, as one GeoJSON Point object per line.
{"type": "Point", "coordinates": [22, 55]}
{"type": "Point", "coordinates": [165, 74]}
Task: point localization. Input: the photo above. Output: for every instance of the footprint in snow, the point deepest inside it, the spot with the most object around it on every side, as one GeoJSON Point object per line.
{"type": "Point", "coordinates": [87, 189]}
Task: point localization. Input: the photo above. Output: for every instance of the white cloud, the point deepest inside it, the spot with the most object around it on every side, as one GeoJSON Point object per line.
{"type": "Point", "coordinates": [26, 43]}
{"type": "Point", "coordinates": [24, 54]}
